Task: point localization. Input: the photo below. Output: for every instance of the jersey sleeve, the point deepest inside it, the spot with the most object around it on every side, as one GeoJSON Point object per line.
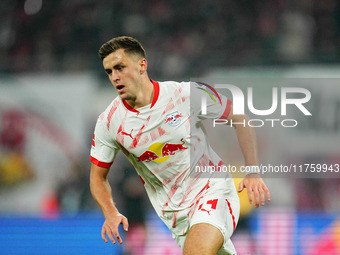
{"type": "Point", "coordinates": [104, 148]}
{"type": "Point", "coordinates": [207, 103]}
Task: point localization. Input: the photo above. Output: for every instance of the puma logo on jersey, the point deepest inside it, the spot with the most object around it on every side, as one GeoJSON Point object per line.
{"type": "Point", "coordinates": [208, 206]}
{"type": "Point", "coordinates": [127, 134]}
{"type": "Point", "coordinates": [173, 119]}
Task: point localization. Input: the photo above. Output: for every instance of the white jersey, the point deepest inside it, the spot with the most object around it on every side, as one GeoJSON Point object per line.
{"type": "Point", "coordinates": [164, 141]}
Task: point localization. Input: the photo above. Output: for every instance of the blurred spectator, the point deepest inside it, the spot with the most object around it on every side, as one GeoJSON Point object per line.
{"type": "Point", "coordinates": [73, 191]}
{"type": "Point", "coordinates": [14, 166]}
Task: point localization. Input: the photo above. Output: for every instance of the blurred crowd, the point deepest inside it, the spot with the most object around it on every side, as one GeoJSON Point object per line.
{"type": "Point", "coordinates": [182, 38]}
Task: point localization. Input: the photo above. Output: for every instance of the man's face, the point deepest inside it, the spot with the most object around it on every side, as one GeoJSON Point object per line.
{"type": "Point", "coordinates": [124, 71]}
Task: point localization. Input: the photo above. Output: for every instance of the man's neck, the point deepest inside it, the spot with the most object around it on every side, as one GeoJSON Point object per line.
{"type": "Point", "coordinates": [144, 97]}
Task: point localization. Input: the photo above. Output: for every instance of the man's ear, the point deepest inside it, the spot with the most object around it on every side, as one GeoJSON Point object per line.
{"type": "Point", "coordinates": [143, 65]}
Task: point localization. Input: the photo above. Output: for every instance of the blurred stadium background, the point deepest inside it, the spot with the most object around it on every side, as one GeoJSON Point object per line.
{"type": "Point", "coordinates": [52, 88]}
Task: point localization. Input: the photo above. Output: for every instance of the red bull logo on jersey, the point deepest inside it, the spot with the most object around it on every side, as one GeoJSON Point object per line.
{"type": "Point", "coordinates": [160, 152]}
{"type": "Point", "coordinates": [173, 119]}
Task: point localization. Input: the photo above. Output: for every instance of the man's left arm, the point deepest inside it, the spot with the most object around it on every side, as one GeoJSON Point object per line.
{"type": "Point", "coordinates": [256, 188]}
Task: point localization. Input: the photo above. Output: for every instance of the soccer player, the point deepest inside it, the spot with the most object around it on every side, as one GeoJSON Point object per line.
{"type": "Point", "coordinates": [158, 127]}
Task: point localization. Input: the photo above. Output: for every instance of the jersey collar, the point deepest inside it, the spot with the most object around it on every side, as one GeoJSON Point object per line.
{"type": "Point", "coordinates": [154, 100]}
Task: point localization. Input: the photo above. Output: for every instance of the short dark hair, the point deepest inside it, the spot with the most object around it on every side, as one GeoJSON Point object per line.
{"type": "Point", "coordinates": [129, 44]}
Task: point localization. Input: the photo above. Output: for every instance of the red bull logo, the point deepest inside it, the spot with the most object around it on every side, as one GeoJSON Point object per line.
{"type": "Point", "coordinates": [173, 119]}
{"type": "Point", "coordinates": [160, 152]}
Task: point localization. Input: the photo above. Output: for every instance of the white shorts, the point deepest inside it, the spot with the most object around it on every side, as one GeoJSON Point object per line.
{"type": "Point", "coordinates": [220, 207]}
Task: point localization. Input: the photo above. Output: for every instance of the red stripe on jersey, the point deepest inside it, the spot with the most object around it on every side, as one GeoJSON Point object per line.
{"type": "Point", "coordinates": [232, 215]}
{"type": "Point", "coordinates": [99, 163]}
{"type": "Point", "coordinates": [142, 179]}
{"type": "Point", "coordinates": [93, 141]}
{"type": "Point", "coordinates": [138, 136]}
{"type": "Point", "coordinates": [174, 219]}
{"type": "Point", "coordinates": [112, 110]}
{"type": "Point", "coordinates": [169, 106]}
{"type": "Point", "coordinates": [129, 107]}
{"type": "Point", "coordinates": [161, 131]}
{"type": "Point", "coordinates": [156, 92]}
{"type": "Point", "coordinates": [154, 134]}
{"type": "Point", "coordinates": [178, 179]}
{"type": "Point", "coordinates": [226, 110]}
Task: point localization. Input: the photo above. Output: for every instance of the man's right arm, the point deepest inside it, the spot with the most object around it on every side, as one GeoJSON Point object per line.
{"type": "Point", "coordinates": [101, 191]}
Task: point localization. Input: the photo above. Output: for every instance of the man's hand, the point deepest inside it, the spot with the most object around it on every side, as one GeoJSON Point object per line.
{"type": "Point", "coordinates": [255, 185]}
{"type": "Point", "coordinates": [110, 228]}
